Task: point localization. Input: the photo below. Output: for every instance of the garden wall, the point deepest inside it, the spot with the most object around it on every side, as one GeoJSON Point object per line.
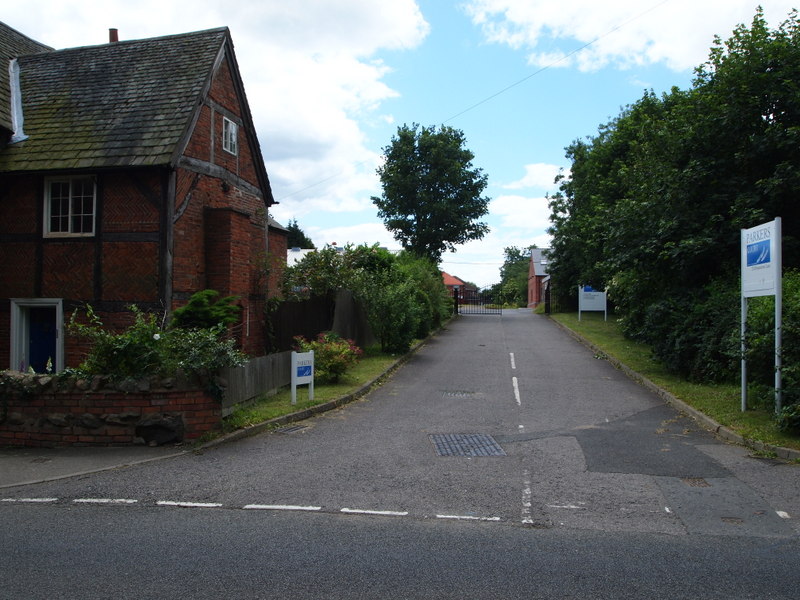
{"type": "Point", "coordinates": [40, 410]}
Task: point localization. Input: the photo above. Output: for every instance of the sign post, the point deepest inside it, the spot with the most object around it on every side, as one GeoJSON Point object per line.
{"type": "Point", "coordinates": [762, 275]}
{"type": "Point", "coordinates": [590, 299]}
{"type": "Point", "coordinates": [302, 373]}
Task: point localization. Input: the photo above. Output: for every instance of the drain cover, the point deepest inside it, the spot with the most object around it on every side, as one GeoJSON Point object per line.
{"type": "Point", "coordinates": [465, 444]}
{"type": "Point", "coordinates": [695, 482]}
{"type": "Point", "coordinates": [291, 429]}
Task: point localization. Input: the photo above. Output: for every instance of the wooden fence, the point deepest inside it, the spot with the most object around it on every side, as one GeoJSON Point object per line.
{"type": "Point", "coordinates": [263, 375]}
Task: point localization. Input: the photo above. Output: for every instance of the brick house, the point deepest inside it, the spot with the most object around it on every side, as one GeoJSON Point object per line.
{"type": "Point", "coordinates": [537, 275]}
{"type": "Point", "coordinates": [130, 172]}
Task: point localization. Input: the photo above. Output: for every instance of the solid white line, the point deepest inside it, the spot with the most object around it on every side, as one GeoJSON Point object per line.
{"type": "Point", "coordinates": [383, 513]}
{"type": "Point", "coordinates": [572, 506]}
{"type": "Point", "coordinates": [467, 518]}
{"type": "Point", "coordinates": [31, 500]}
{"type": "Point", "coordinates": [513, 364]}
{"type": "Point", "coordinates": [188, 504]}
{"type": "Point", "coordinates": [281, 507]}
{"type": "Point", "coordinates": [105, 501]}
{"type": "Point", "coordinates": [516, 391]}
{"type": "Point", "coordinates": [782, 514]}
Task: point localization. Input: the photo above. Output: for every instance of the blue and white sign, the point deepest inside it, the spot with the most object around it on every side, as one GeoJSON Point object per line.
{"type": "Point", "coordinates": [761, 259]}
{"type": "Point", "coordinates": [762, 275]}
{"type": "Point", "coordinates": [302, 373]}
{"type": "Point", "coordinates": [590, 299]}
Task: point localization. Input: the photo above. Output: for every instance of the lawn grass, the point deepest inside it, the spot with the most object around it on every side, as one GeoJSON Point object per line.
{"type": "Point", "coordinates": [370, 366]}
{"type": "Point", "coordinates": [721, 402]}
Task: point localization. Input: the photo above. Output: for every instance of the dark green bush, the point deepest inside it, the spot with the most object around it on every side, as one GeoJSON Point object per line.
{"type": "Point", "coordinates": [206, 310]}
{"type": "Point", "coordinates": [145, 349]}
{"type": "Point", "coordinates": [332, 355]}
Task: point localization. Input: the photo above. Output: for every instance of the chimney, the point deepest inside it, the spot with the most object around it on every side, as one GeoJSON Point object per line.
{"type": "Point", "coordinates": [113, 36]}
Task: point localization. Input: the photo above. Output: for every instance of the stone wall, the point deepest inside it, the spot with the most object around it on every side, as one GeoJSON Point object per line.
{"type": "Point", "coordinates": [40, 410]}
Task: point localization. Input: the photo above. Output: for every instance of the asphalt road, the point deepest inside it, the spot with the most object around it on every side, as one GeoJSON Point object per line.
{"type": "Point", "coordinates": [503, 461]}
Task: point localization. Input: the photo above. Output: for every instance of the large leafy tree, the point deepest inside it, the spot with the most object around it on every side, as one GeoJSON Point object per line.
{"type": "Point", "coordinates": [654, 202]}
{"type": "Point", "coordinates": [431, 198]}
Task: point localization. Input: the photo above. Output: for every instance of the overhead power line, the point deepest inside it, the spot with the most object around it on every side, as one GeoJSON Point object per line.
{"type": "Point", "coordinates": [505, 89]}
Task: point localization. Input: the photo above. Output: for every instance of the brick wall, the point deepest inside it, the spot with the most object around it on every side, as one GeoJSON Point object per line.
{"type": "Point", "coordinates": [85, 413]}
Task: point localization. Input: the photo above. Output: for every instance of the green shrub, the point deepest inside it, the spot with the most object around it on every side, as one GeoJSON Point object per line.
{"type": "Point", "coordinates": [145, 349]}
{"type": "Point", "coordinates": [789, 419]}
{"type": "Point", "coordinates": [332, 355]}
{"type": "Point", "coordinates": [206, 310]}
{"type": "Point", "coordinates": [761, 342]}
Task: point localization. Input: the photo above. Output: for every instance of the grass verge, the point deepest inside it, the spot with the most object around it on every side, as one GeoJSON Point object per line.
{"type": "Point", "coordinates": [371, 365]}
{"type": "Point", "coordinates": [721, 402]}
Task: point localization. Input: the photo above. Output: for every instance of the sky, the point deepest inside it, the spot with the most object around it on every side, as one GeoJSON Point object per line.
{"type": "Point", "coordinates": [330, 81]}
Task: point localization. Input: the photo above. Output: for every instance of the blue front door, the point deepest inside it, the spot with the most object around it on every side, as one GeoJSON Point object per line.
{"type": "Point", "coordinates": [42, 337]}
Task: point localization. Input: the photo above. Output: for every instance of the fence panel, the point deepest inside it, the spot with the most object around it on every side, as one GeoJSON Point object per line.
{"type": "Point", "coordinates": [261, 375]}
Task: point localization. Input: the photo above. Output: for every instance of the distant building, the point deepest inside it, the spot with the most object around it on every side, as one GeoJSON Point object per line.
{"type": "Point", "coordinates": [537, 276]}
{"type": "Point", "coordinates": [451, 282]}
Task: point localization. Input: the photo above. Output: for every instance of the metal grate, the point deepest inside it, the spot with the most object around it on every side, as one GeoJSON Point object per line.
{"type": "Point", "coordinates": [465, 444]}
{"type": "Point", "coordinates": [695, 482]}
{"type": "Point", "coordinates": [291, 429]}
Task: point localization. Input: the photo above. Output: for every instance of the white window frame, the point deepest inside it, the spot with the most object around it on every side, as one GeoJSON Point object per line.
{"type": "Point", "coordinates": [20, 331]}
{"type": "Point", "coordinates": [230, 136]}
{"type": "Point", "coordinates": [71, 208]}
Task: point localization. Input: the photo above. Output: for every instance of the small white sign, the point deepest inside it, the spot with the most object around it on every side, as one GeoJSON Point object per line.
{"type": "Point", "coordinates": [761, 259]}
{"type": "Point", "coordinates": [590, 299]}
{"type": "Point", "coordinates": [302, 373]}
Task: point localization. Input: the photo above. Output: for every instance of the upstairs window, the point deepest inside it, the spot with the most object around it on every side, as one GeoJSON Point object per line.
{"type": "Point", "coordinates": [230, 136]}
{"type": "Point", "coordinates": [69, 206]}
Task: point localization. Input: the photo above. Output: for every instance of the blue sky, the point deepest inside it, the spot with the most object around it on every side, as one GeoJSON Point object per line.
{"type": "Point", "coordinates": [329, 82]}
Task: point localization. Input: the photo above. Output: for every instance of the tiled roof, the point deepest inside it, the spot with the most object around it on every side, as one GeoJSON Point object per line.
{"type": "Point", "coordinates": [120, 104]}
{"type": "Point", "coordinates": [539, 260]}
{"type": "Point", "coordinates": [12, 44]}
{"type": "Point", "coordinates": [451, 279]}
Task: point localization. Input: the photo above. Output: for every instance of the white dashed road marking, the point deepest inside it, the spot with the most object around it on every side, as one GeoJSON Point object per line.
{"type": "Point", "coordinates": [281, 507]}
{"type": "Point", "coordinates": [516, 391]}
{"type": "Point", "coordinates": [189, 504]}
{"type": "Point", "coordinates": [104, 501]}
{"type": "Point", "coordinates": [380, 513]}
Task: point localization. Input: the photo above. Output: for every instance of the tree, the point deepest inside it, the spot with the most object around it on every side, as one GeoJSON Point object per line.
{"type": "Point", "coordinates": [297, 237]}
{"type": "Point", "coordinates": [654, 203]}
{"type": "Point", "coordinates": [514, 275]}
{"type": "Point", "coordinates": [431, 198]}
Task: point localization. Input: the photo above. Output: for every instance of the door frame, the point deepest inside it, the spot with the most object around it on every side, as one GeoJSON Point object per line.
{"type": "Point", "coordinates": [20, 331]}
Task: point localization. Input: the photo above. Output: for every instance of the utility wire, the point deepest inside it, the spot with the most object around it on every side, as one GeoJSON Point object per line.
{"type": "Point", "coordinates": [505, 89]}
{"type": "Point", "coordinates": [555, 62]}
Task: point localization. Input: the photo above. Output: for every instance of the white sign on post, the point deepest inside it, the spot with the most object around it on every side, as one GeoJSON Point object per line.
{"type": "Point", "coordinates": [302, 373]}
{"type": "Point", "coordinates": [589, 299]}
{"type": "Point", "coordinates": [762, 275]}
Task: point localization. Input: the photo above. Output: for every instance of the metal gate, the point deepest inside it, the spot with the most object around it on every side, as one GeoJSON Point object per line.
{"type": "Point", "coordinates": [469, 302]}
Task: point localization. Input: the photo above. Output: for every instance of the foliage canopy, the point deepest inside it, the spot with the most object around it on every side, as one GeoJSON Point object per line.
{"type": "Point", "coordinates": [431, 198]}
{"type": "Point", "coordinates": [654, 203]}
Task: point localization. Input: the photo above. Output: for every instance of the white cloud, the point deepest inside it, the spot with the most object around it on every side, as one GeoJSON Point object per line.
{"type": "Point", "coordinates": [622, 33]}
{"type": "Point", "coordinates": [309, 69]}
{"type": "Point", "coordinates": [530, 215]}
{"type": "Point", "coordinates": [537, 175]}
{"type": "Point", "coordinates": [364, 233]}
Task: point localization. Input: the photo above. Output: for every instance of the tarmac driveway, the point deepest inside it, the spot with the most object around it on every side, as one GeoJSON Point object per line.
{"type": "Point", "coordinates": [500, 418]}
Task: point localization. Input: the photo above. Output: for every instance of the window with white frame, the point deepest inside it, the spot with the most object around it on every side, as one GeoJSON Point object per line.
{"type": "Point", "coordinates": [230, 136]}
{"type": "Point", "coordinates": [69, 206]}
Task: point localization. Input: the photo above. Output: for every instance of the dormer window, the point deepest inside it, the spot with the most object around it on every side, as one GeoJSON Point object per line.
{"type": "Point", "coordinates": [230, 136]}
{"type": "Point", "coordinates": [69, 206]}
